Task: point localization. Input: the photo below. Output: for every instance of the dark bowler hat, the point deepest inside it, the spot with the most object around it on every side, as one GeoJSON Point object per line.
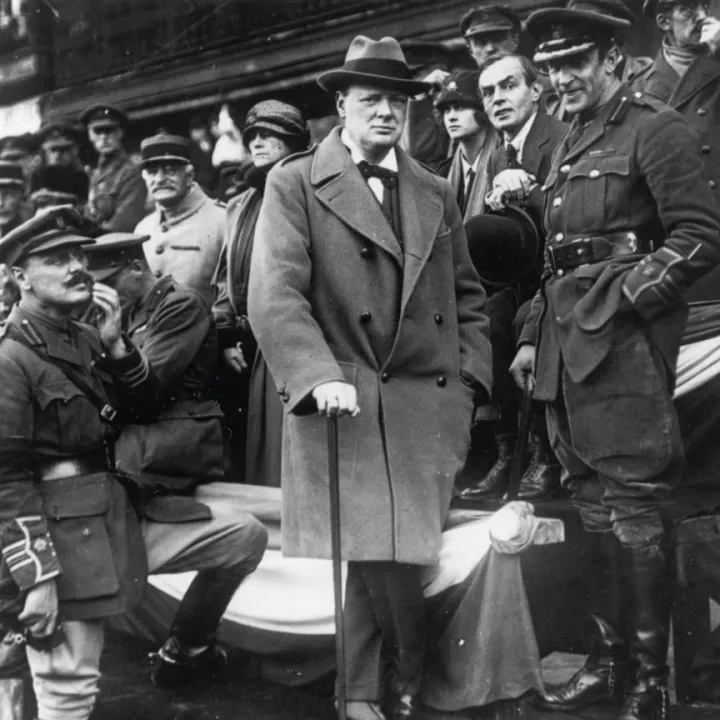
{"type": "Point", "coordinates": [278, 118]}
{"type": "Point", "coordinates": [66, 184]}
{"type": "Point", "coordinates": [503, 246]}
{"type": "Point", "coordinates": [492, 18]}
{"type": "Point", "coordinates": [114, 251]}
{"type": "Point", "coordinates": [14, 147]}
{"type": "Point", "coordinates": [51, 229]}
{"type": "Point", "coordinates": [11, 173]}
{"type": "Point", "coordinates": [60, 133]}
{"type": "Point", "coordinates": [378, 63]}
{"type": "Point", "coordinates": [460, 87]}
{"type": "Point", "coordinates": [165, 148]}
{"type": "Point", "coordinates": [102, 115]}
{"type": "Point", "coordinates": [563, 32]}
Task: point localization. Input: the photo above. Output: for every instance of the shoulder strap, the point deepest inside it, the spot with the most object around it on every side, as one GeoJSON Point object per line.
{"type": "Point", "coordinates": [106, 410]}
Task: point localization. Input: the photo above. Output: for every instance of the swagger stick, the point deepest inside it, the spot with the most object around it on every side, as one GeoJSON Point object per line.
{"type": "Point", "coordinates": [518, 459]}
{"type": "Point", "coordinates": [334, 472]}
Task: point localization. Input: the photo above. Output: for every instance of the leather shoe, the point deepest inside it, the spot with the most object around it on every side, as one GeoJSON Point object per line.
{"type": "Point", "coordinates": [495, 482]}
{"type": "Point", "coordinates": [542, 475]}
{"type": "Point", "coordinates": [176, 667]}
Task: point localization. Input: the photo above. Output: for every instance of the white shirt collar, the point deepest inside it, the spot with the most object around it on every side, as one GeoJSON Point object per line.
{"type": "Point", "coordinates": [518, 142]}
{"type": "Point", "coordinates": [467, 167]}
{"type": "Point", "coordinates": [389, 162]}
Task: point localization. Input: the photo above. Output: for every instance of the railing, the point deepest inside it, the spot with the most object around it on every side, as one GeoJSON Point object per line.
{"type": "Point", "coordinates": [95, 38]}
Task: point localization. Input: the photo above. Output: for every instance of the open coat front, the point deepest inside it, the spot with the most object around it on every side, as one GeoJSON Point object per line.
{"type": "Point", "coordinates": [334, 296]}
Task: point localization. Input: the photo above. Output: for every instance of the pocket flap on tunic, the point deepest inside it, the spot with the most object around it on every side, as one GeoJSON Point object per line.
{"type": "Point", "coordinates": [600, 165]}
{"type": "Point", "coordinates": [62, 392]}
{"type": "Point", "coordinates": [75, 497]}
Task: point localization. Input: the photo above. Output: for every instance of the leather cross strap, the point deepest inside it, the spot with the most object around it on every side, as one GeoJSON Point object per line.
{"type": "Point", "coordinates": [573, 253]}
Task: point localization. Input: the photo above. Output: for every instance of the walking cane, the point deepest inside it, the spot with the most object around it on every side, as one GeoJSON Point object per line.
{"type": "Point", "coordinates": [332, 430]}
{"type": "Point", "coordinates": [518, 459]}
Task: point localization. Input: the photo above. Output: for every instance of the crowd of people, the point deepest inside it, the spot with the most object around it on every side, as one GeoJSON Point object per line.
{"type": "Point", "coordinates": [462, 238]}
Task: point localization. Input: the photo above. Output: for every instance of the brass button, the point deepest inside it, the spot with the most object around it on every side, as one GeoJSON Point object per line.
{"type": "Point", "coordinates": [594, 173]}
{"type": "Point", "coordinates": [565, 169]}
{"type": "Point", "coordinates": [86, 532]}
{"type": "Point", "coordinates": [441, 381]}
{"type": "Point", "coordinates": [560, 273]}
{"type": "Point", "coordinates": [557, 202]}
{"type": "Point", "coordinates": [701, 111]}
{"type": "Point", "coordinates": [385, 377]}
{"type": "Point", "coordinates": [163, 228]}
{"type": "Point", "coordinates": [638, 95]}
{"type": "Point", "coordinates": [158, 273]}
{"type": "Point", "coordinates": [712, 184]}
{"type": "Point", "coordinates": [439, 319]}
{"type": "Point", "coordinates": [365, 316]}
{"type": "Point", "coordinates": [365, 252]}
{"type": "Point", "coordinates": [160, 249]}
{"type": "Point", "coordinates": [559, 237]}
{"type": "Point", "coordinates": [705, 149]}
{"type": "Point", "coordinates": [285, 398]}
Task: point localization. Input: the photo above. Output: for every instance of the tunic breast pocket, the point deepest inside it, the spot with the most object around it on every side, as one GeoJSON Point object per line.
{"type": "Point", "coordinates": [103, 205]}
{"type": "Point", "coordinates": [598, 185]}
{"type": "Point", "coordinates": [67, 418]}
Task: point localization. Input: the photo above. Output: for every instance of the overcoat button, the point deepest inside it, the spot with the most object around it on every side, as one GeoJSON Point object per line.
{"type": "Point", "coordinates": [286, 398]}
{"type": "Point", "coordinates": [385, 377]}
{"type": "Point", "coordinates": [163, 228]}
{"type": "Point", "coordinates": [557, 202]}
{"type": "Point", "coordinates": [560, 273]}
{"type": "Point", "coordinates": [439, 319]}
{"type": "Point", "coordinates": [158, 273]}
{"type": "Point", "coordinates": [594, 173]}
{"type": "Point", "coordinates": [565, 169]}
{"type": "Point", "coordinates": [160, 249]}
{"type": "Point", "coordinates": [441, 381]}
{"type": "Point", "coordinates": [712, 184]}
{"type": "Point", "coordinates": [705, 149]}
{"type": "Point", "coordinates": [365, 316]}
{"type": "Point", "coordinates": [559, 237]}
{"type": "Point", "coordinates": [701, 111]}
{"type": "Point", "coordinates": [365, 253]}
{"type": "Point", "coordinates": [86, 532]}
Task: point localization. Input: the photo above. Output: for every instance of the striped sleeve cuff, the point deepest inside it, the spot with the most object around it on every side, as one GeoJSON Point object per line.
{"type": "Point", "coordinates": [32, 559]}
{"type": "Point", "coordinates": [131, 370]}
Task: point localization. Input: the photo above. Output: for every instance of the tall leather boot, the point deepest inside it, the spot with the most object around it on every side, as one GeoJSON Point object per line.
{"type": "Point", "coordinates": [603, 677]}
{"type": "Point", "coordinates": [495, 482]}
{"type": "Point", "coordinates": [542, 475]}
{"type": "Point", "coordinates": [647, 699]}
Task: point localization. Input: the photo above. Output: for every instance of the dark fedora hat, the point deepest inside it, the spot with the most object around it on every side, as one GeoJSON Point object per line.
{"type": "Point", "coordinates": [378, 63]}
{"type": "Point", "coordinates": [503, 245]}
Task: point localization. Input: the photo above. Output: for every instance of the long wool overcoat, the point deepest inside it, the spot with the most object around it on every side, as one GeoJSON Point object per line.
{"type": "Point", "coordinates": [334, 296]}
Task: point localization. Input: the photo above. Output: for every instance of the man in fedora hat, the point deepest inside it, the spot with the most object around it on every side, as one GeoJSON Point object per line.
{"type": "Point", "coordinates": [631, 225]}
{"type": "Point", "coordinates": [117, 191]}
{"type": "Point", "coordinates": [187, 227]}
{"type": "Point", "coordinates": [686, 75]}
{"type": "Point", "coordinates": [365, 304]}
{"type": "Point", "coordinates": [511, 91]}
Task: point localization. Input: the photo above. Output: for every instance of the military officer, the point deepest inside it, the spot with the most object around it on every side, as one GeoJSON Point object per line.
{"type": "Point", "coordinates": [177, 446]}
{"type": "Point", "coordinates": [187, 227]}
{"type": "Point", "coordinates": [60, 143]}
{"type": "Point", "coordinates": [631, 225]}
{"type": "Point", "coordinates": [59, 185]}
{"type": "Point", "coordinates": [72, 546]}
{"type": "Point", "coordinates": [117, 191]}
{"type": "Point", "coordinates": [13, 208]}
{"type": "Point", "coordinates": [20, 149]}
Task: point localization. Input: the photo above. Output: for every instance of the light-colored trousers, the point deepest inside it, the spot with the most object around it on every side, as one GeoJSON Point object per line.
{"type": "Point", "coordinates": [66, 678]}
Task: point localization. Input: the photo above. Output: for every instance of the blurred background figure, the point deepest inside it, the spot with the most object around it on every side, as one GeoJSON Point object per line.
{"type": "Point", "coordinates": [59, 185]}
{"type": "Point", "coordinates": [14, 210]}
{"type": "Point", "coordinates": [230, 157]}
{"type": "Point", "coordinates": [20, 149]}
{"type": "Point", "coordinates": [202, 145]}
{"type": "Point", "coordinates": [60, 143]}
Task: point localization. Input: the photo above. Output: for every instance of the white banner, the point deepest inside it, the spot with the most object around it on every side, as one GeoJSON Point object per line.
{"type": "Point", "coordinates": [20, 118]}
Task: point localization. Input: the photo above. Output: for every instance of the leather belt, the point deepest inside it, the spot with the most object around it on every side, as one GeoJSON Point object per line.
{"type": "Point", "coordinates": [588, 250]}
{"type": "Point", "coordinates": [62, 468]}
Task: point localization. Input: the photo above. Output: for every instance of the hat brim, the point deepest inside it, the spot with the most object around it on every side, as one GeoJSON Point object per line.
{"type": "Point", "coordinates": [11, 182]}
{"type": "Point", "coordinates": [488, 28]}
{"type": "Point", "coordinates": [541, 18]}
{"type": "Point", "coordinates": [273, 128]}
{"type": "Point", "coordinates": [458, 99]}
{"type": "Point", "coordinates": [333, 80]}
{"type": "Point", "coordinates": [179, 159]}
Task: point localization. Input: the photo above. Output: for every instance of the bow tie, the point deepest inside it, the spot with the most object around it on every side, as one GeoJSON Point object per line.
{"type": "Point", "coordinates": [368, 170]}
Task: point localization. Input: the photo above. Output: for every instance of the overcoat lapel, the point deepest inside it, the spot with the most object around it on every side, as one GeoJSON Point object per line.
{"type": "Point", "coordinates": [593, 133]}
{"type": "Point", "coordinates": [702, 72]}
{"type": "Point", "coordinates": [341, 188]}
{"type": "Point", "coordinates": [532, 150]}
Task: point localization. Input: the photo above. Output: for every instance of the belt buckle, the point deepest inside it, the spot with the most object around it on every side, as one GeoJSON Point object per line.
{"type": "Point", "coordinates": [551, 258]}
{"type": "Point", "coordinates": [108, 413]}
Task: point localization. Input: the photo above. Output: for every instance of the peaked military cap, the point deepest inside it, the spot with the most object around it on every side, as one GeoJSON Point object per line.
{"type": "Point", "coordinates": [60, 131]}
{"type": "Point", "coordinates": [14, 147]}
{"type": "Point", "coordinates": [66, 183]}
{"type": "Point", "coordinates": [165, 148]}
{"type": "Point", "coordinates": [58, 227]}
{"type": "Point", "coordinates": [563, 32]}
{"type": "Point", "coordinates": [102, 115]}
{"type": "Point", "coordinates": [492, 18]}
{"type": "Point", "coordinates": [114, 251]}
{"type": "Point", "coordinates": [11, 173]}
{"type": "Point", "coordinates": [652, 7]}
{"type": "Point", "coordinates": [460, 87]}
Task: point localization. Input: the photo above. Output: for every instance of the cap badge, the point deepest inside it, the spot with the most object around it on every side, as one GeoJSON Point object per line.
{"type": "Point", "coordinates": [452, 85]}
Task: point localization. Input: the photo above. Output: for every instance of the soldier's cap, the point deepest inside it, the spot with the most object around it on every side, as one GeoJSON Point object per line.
{"type": "Point", "coordinates": [460, 87]}
{"type": "Point", "coordinates": [114, 251]}
{"type": "Point", "coordinates": [503, 245]}
{"type": "Point", "coordinates": [51, 229]}
{"type": "Point", "coordinates": [421, 53]}
{"type": "Point", "coordinates": [16, 147]}
{"type": "Point", "coordinates": [66, 184]}
{"type": "Point", "coordinates": [103, 115]}
{"type": "Point", "coordinates": [377, 63]}
{"type": "Point", "coordinates": [575, 29]}
{"type": "Point", "coordinates": [165, 148]}
{"type": "Point", "coordinates": [11, 174]}
{"type": "Point", "coordinates": [492, 18]}
{"type": "Point", "coordinates": [278, 118]}
{"type": "Point", "coordinates": [61, 134]}
{"type": "Point", "coordinates": [652, 7]}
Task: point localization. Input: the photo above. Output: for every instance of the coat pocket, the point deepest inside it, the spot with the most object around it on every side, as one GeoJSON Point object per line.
{"type": "Point", "coordinates": [598, 182]}
{"type": "Point", "coordinates": [77, 512]}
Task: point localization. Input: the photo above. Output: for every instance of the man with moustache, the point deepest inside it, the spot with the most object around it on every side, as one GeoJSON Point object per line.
{"type": "Point", "coordinates": [631, 225]}
{"type": "Point", "coordinates": [187, 227]}
{"type": "Point", "coordinates": [365, 305]}
{"type": "Point", "coordinates": [686, 75]}
{"type": "Point", "coordinates": [117, 191]}
{"type": "Point", "coordinates": [511, 92]}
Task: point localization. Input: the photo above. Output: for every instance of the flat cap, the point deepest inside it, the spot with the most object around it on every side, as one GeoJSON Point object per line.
{"type": "Point", "coordinates": [492, 18]}
{"type": "Point", "coordinates": [276, 117]}
{"type": "Point", "coordinates": [103, 115]}
{"type": "Point", "coordinates": [460, 87]}
{"type": "Point", "coordinates": [67, 184]}
{"type": "Point", "coordinates": [114, 251]}
{"type": "Point", "coordinates": [165, 148]}
{"type": "Point", "coordinates": [11, 173]}
{"type": "Point", "coordinates": [60, 131]}
{"type": "Point", "coordinates": [16, 146]}
{"type": "Point", "coordinates": [57, 227]}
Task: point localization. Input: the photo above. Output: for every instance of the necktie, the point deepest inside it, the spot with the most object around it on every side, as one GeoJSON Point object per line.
{"type": "Point", "coordinates": [368, 170]}
{"type": "Point", "coordinates": [465, 190]}
{"type": "Point", "coordinates": [512, 157]}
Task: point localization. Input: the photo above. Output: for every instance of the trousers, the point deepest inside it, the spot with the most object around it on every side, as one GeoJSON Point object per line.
{"type": "Point", "coordinates": [617, 437]}
{"type": "Point", "coordinates": [229, 546]}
